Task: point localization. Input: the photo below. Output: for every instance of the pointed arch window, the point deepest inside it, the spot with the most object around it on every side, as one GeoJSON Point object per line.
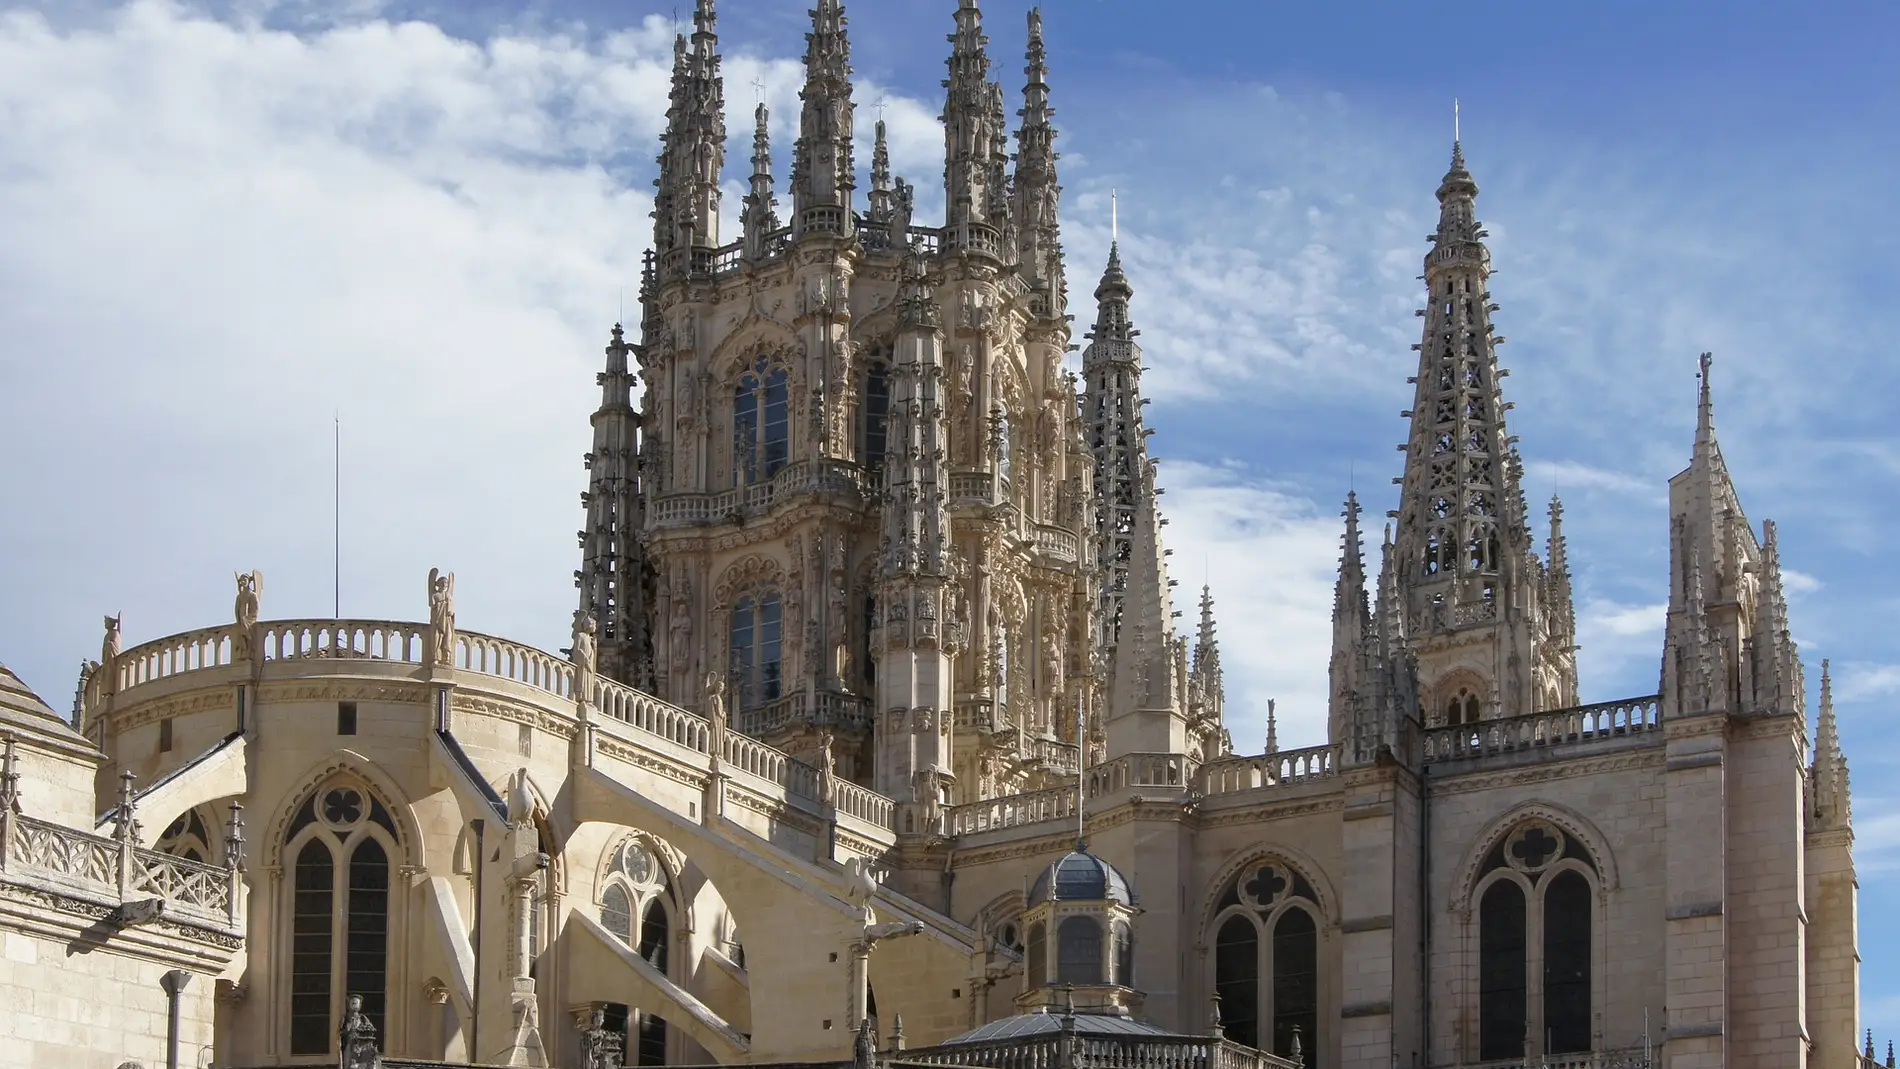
{"type": "Point", "coordinates": [761, 423]}
{"type": "Point", "coordinates": [757, 649]}
{"type": "Point", "coordinates": [1567, 963]}
{"type": "Point", "coordinates": [637, 885]}
{"type": "Point", "coordinates": [1462, 708]}
{"type": "Point", "coordinates": [1266, 961]}
{"type": "Point", "coordinates": [1502, 994]}
{"type": "Point", "coordinates": [340, 842]}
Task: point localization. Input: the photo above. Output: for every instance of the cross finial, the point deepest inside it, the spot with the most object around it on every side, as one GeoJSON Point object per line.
{"type": "Point", "coordinates": [758, 87]}
{"type": "Point", "coordinates": [879, 108]}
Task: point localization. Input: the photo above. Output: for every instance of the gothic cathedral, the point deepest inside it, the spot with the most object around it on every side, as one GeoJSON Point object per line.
{"type": "Point", "coordinates": [878, 742]}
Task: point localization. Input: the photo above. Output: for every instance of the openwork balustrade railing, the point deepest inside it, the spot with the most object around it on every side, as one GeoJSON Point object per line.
{"type": "Point", "coordinates": [1056, 803]}
{"type": "Point", "coordinates": [1047, 1051]}
{"type": "Point", "coordinates": [1172, 771]}
{"type": "Point", "coordinates": [114, 870]}
{"type": "Point", "coordinates": [805, 477]}
{"type": "Point", "coordinates": [1625, 1058]}
{"type": "Point", "coordinates": [1231, 775]}
{"type": "Point", "coordinates": [1583, 724]}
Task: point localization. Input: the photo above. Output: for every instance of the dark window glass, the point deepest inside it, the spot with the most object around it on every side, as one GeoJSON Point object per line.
{"type": "Point", "coordinates": [165, 735]}
{"type": "Point", "coordinates": [877, 409]}
{"type": "Point", "coordinates": [1296, 985]}
{"type": "Point", "coordinates": [346, 718]}
{"type": "Point", "coordinates": [1502, 999]}
{"type": "Point", "coordinates": [776, 447]}
{"type": "Point", "coordinates": [758, 650]}
{"type": "Point", "coordinates": [310, 936]}
{"type": "Point", "coordinates": [1237, 980]}
{"type": "Point", "coordinates": [654, 934]}
{"type": "Point", "coordinates": [616, 913]}
{"type": "Point", "coordinates": [1037, 957]}
{"type": "Point", "coordinates": [652, 1049]}
{"type": "Point", "coordinates": [1567, 963]}
{"type": "Point", "coordinates": [368, 935]}
{"type": "Point", "coordinates": [761, 424]}
{"type": "Point", "coordinates": [1079, 951]}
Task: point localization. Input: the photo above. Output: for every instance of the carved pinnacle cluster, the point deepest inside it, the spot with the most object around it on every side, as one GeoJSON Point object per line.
{"type": "Point", "coordinates": [760, 217]}
{"type": "Point", "coordinates": [1038, 193]}
{"type": "Point", "coordinates": [972, 136]}
{"type": "Point", "coordinates": [1833, 804]}
{"type": "Point", "coordinates": [823, 175]}
{"type": "Point", "coordinates": [612, 576]}
{"type": "Point", "coordinates": [692, 157]}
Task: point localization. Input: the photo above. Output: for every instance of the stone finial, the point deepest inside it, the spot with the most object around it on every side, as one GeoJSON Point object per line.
{"type": "Point", "coordinates": [127, 820]}
{"type": "Point", "coordinates": [1296, 1053]}
{"type": "Point", "coordinates": [234, 837]}
{"type": "Point", "coordinates": [897, 1031]}
{"type": "Point", "coordinates": [10, 777]}
{"type": "Point", "coordinates": [1214, 1027]}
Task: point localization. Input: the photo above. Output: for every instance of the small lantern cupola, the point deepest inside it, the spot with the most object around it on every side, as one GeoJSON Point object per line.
{"type": "Point", "coordinates": [1079, 938]}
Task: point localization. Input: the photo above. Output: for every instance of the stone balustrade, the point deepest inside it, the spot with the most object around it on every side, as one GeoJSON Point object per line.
{"type": "Point", "coordinates": [980, 488]}
{"type": "Point", "coordinates": [526, 665]}
{"type": "Point", "coordinates": [1583, 724]}
{"type": "Point", "coordinates": [1625, 1058]}
{"type": "Point", "coordinates": [649, 715]}
{"type": "Point", "coordinates": [193, 651]}
{"type": "Point", "coordinates": [1231, 775]}
{"type": "Point", "coordinates": [826, 709]}
{"type": "Point", "coordinates": [1045, 1051]}
{"type": "Point", "coordinates": [865, 804]}
{"type": "Point", "coordinates": [1016, 810]}
{"type": "Point", "coordinates": [824, 476]}
{"type": "Point", "coordinates": [1151, 770]}
{"type": "Point", "coordinates": [115, 871]}
{"type": "Point", "coordinates": [379, 640]}
{"type": "Point", "coordinates": [1058, 543]}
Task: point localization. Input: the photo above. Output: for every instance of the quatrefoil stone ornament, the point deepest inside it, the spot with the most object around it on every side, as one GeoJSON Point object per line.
{"type": "Point", "coordinates": [342, 807]}
{"type": "Point", "coordinates": [1534, 848]}
{"type": "Point", "coordinates": [1266, 886]}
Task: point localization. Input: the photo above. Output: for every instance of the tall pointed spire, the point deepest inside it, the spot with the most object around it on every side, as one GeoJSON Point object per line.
{"type": "Point", "coordinates": [1111, 371]}
{"type": "Point", "coordinates": [1143, 656]}
{"type": "Point", "coordinates": [1038, 194]}
{"type": "Point", "coordinates": [1352, 626]}
{"type": "Point", "coordinates": [1207, 671]}
{"type": "Point", "coordinates": [1464, 561]}
{"type": "Point", "coordinates": [1779, 686]}
{"type": "Point", "coordinates": [760, 217]}
{"type": "Point", "coordinates": [1833, 803]}
{"type": "Point", "coordinates": [970, 137]}
{"type": "Point", "coordinates": [881, 205]}
{"type": "Point", "coordinates": [612, 576]}
{"type": "Point", "coordinates": [823, 175]}
{"type": "Point", "coordinates": [686, 206]}
{"type": "Point", "coordinates": [1273, 728]}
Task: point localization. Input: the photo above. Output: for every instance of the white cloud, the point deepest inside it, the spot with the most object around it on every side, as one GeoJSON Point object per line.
{"type": "Point", "coordinates": [220, 233]}
{"type": "Point", "coordinates": [1620, 642]}
{"type": "Point", "coordinates": [1272, 558]}
{"type": "Point", "coordinates": [1855, 682]}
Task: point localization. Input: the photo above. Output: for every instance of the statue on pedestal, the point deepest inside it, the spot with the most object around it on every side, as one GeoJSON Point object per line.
{"type": "Point", "coordinates": [441, 617]}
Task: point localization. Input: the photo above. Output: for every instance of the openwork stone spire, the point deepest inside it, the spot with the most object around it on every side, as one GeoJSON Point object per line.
{"type": "Point", "coordinates": [693, 153]}
{"type": "Point", "coordinates": [1455, 519]}
{"type": "Point", "coordinates": [760, 217]}
{"type": "Point", "coordinates": [1111, 372]}
{"type": "Point", "coordinates": [823, 175]}
{"type": "Point", "coordinates": [971, 137]}
{"type": "Point", "coordinates": [1038, 195]}
{"type": "Point", "coordinates": [612, 576]}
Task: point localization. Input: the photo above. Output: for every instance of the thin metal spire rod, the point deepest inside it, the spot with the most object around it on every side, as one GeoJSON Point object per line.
{"type": "Point", "coordinates": [336, 515]}
{"type": "Point", "coordinates": [1456, 133]}
{"type": "Point", "coordinates": [1114, 217]}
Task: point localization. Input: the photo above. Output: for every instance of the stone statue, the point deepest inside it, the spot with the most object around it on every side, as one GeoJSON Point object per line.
{"type": "Point", "coordinates": [585, 655]}
{"type": "Point", "coordinates": [109, 650]}
{"type": "Point", "coordinates": [925, 791]}
{"type": "Point", "coordinates": [861, 887]}
{"type": "Point", "coordinates": [600, 1048]}
{"type": "Point", "coordinates": [712, 702]}
{"type": "Point", "coordinates": [905, 199]}
{"type": "Point", "coordinates": [827, 771]}
{"type": "Point", "coordinates": [441, 617]}
{"type": "Point", "coordinates": [357, 1038]}
{"type": "Point", "coordinates": [1051, 663]}
{"type": "Point", "coordinates": [680, 647]}
{"type": "Point", "coordinates": [249, 585]}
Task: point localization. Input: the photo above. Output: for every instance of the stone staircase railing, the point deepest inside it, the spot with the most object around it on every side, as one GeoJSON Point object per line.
{"type": "Point", "coordinates": [137, 882]}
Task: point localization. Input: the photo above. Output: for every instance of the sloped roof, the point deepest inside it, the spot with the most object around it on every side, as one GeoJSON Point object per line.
{"type": "Point", "coordinates": [1032, 1024]}
{"type": "Point", "coordinates": [21, 710]}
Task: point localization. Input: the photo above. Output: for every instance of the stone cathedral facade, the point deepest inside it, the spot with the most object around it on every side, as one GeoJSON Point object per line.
{"type": "Point", "coordinates": [878, 739]}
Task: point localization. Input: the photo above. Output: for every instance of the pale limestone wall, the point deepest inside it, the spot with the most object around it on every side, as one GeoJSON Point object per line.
{"type": "Point", "coordinates": [94, 1009]}
{"type": "Point", "coordinates": [1767, 956]}
{"type": "Point", "coordinates": [60, 782]}
{"type": "Point", "coordinates": [1833, 994]}
{"type": "Point", "coordinates": [1614, 805]}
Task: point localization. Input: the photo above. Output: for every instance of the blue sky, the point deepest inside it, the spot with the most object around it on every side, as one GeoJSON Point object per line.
{"type": "Point", "coordinates": [228, 221]}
